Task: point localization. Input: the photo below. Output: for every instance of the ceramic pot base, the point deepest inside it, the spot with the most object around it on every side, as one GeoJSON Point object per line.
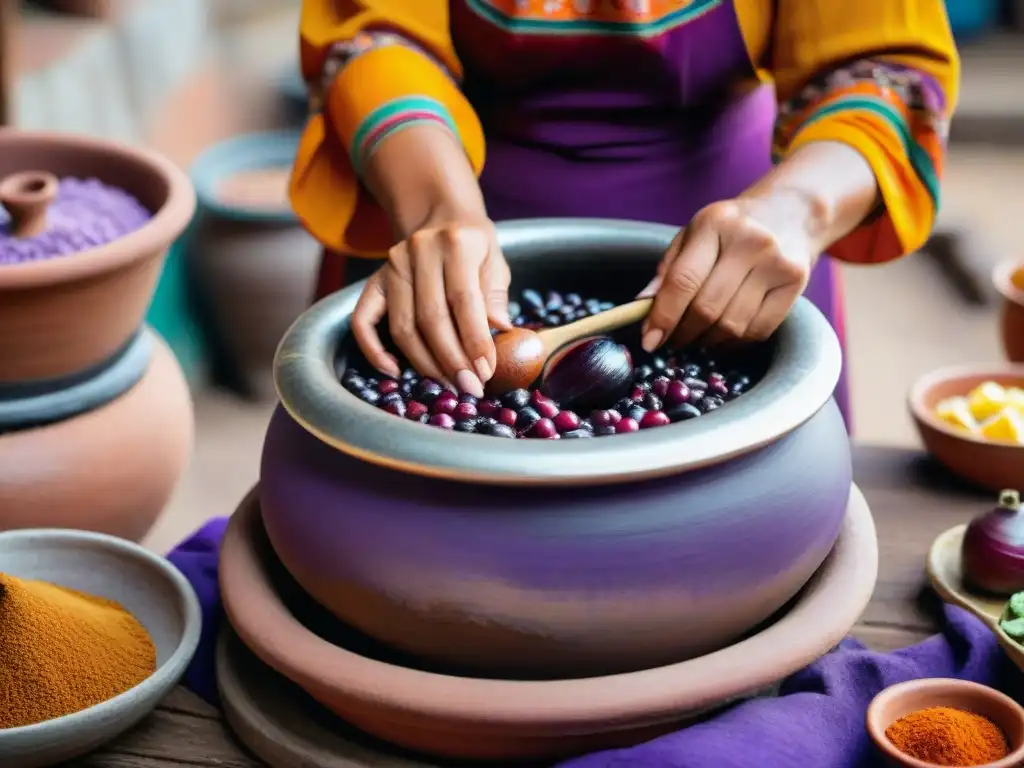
{"type": "Point", "coordinates": [38, 403]}
{"type": "Point", "coordinates": [111, 469]}
{"type": "Point", "coordinates": [397, 700]}
{"type": "Point", "coordinates": [283, 726]}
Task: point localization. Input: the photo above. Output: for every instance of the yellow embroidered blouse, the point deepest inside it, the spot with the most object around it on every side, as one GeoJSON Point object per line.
{"type": "Point", "coordinates": [881, 76]}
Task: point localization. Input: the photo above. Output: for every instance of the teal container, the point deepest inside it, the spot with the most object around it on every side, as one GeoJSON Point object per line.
{"type": "Point", "coordinates": [972, 18]}
{"type": "Point", "coordinates": [172, 315]}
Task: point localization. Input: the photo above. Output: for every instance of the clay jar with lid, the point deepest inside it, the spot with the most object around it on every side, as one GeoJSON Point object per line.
{"type": "Point", "coordinates": [254, 264]}
{"type": "Point", "coordinates": [65, 315]}
{"type": "Point", "coordinates": [95, 414]}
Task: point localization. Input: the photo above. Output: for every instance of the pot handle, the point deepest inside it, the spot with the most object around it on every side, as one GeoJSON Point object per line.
{"type": "Point", "coordinates": [27, 196]}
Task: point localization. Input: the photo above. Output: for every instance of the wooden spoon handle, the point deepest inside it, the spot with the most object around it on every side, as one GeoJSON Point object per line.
{"type": "Point", "coordinates": [595, 325]}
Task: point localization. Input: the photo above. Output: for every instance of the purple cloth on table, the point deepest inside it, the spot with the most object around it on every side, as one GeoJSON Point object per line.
{"type": "Point", "coordinates": [197, 558]}
{"type": "Point", "coordinates": [817, 721]}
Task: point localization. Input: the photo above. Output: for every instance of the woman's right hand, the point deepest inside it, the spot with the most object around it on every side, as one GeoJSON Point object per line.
{"type": "Point", "coordinates": [442, 289]}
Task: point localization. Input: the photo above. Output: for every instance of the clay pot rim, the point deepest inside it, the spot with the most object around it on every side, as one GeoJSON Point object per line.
{"type": "Point", "coordinates": [828, 606]}
{"type": "Point", "coordinates": [919, 391]}
{"type": "Point", "coordinates": [260, 150]}
{"type": "Point", "coordinates": [801, 379]}
{"type": "Point", "coordinates": [1002, 279]}
{"type": "Point", "coordinates": [154, 236]}
{"type": "Point", "coordinates": [941, 690]}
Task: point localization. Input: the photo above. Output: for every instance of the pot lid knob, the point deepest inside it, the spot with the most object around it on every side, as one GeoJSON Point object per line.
{"type": "Point", "coordinates": [27, 196]}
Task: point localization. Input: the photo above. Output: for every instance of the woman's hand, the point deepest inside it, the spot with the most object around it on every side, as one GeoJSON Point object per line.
{"type": "Point", "coordinates": [738, 268]}
{"type": "Point", "coordinates": [733, 274]}
{"type": "Point", "coordinates": [442, 290]}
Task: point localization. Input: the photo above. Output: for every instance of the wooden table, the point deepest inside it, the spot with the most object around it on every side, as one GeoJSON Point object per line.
{"type": "Point", "coordinates": [912, 500]}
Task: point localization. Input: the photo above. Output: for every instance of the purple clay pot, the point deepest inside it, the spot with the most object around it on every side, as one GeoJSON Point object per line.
{"type": "Point", "coordinates": [556, 582]}
{"type": "Point", "coordinates": [561, 558]}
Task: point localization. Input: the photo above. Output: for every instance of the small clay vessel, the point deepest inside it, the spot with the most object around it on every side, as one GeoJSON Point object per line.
{"type": "Point", "coordinates": [522, 353]}
{"type": "Point", "coordinates": [1008, 278]}
{"type": "Point", "coordinates": [254, 264]}
{"type": "Point", "coordinates": [991, 464]}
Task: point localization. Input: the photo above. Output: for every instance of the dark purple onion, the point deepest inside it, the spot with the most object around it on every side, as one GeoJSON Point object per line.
{"type": "Point", "coordinates": [590, 374]}
{"type": "Point", "coordinates": [993, 548]}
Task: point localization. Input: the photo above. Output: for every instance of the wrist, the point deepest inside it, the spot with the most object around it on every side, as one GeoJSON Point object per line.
{"type": "Point", "coordinates": [806, 215]}
{"type": "Point", "coordinates": [828, 187]}
{"type": "Point", "coordinates": [422, 173]}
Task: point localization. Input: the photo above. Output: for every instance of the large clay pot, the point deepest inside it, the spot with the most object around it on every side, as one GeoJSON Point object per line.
{"type": "Point", "coordinates": [66, 315]}
{"type": "Point", "coordinates": [557, 558]}
{"type": "Point", "coordinates": [112, 469]}
{"type": "Point", "coordinates": [254, 263]}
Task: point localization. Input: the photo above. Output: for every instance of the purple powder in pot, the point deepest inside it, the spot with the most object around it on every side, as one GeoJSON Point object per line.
{"type": "Point", "coordinates": [85, 214]}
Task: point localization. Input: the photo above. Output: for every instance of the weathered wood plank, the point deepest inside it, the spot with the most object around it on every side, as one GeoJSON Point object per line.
{"type": "Point", "coordinates": [181, 733]}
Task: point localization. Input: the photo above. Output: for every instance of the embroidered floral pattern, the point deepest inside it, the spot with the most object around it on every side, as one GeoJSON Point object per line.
{"type": "Point", "coordinates": [909, 101]}
{"type": "Point", "coordinates": [342, 53]}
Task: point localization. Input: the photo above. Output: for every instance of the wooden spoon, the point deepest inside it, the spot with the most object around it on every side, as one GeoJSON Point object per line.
{"type": "Point", "coordinates": [522, 353]}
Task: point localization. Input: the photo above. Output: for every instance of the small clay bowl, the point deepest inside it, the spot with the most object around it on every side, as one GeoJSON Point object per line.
{"type": "Point", "coordinates": [1008, 278]}
{"type": "Point", "coordinates": [148, 586]}
{"type": "Point", "coordinates": [900, 700]}
{"type": "Point", "coordinates": [994, 465]}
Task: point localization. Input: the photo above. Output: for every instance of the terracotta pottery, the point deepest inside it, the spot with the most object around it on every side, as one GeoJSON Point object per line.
{"type": "Point", "coordinates": [110, 470]}
{"type": "Point", "coordinates": [898, 701]}
{"type": "Point", "coordinates": [254, 263]}
{"type": "Point", "coordinates": [1008, 278]}
{"type": "Point", "coordinates": [394, 698]}
{"type": "Point", "coordinates": [584, 557]}
{"type": "Point", "coordinates": [66, 314]}
{"type": "Point", "coordinates": [994, 465]}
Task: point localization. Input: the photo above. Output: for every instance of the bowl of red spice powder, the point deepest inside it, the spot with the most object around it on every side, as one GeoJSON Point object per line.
{"type": "Point", "coordinates": [947, 722]}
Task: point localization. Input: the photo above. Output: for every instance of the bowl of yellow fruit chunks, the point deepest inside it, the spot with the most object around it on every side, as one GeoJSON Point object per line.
{"type": "Point", "coordinates": [971, 418]}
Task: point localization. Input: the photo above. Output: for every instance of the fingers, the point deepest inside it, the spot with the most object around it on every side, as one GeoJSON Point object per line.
{"type": "Point", "coordinates": [680, 283]}
{"type": "Point", "coordinates": [402, 316]}
{"type": "Point", "coordinates": [465, 296]}
{"type": "Point", "coordinates": [370, 309]}
{"type": "Point", "coordinates": [773, 310]}
{"type": "Point", "coordinates": [707, 308]}
{"type": "Point", "coordinates": [433, 254]}
{"type": "Point", "coordinates": [734, 321]}
{"type": "Point", "coordinates": [495, 279]}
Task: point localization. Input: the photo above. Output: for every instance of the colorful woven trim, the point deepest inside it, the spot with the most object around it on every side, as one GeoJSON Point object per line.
{"type": "Point", "coordinates": [905, 100]}
{"type": "Point", "coordinates": [633, 18]}
{"type": "Point", "coordinates": [392, 117]}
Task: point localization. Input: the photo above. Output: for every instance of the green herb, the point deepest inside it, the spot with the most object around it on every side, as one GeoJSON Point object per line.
{"type": "Point", "coordinates": [1014, 628]}
{"type": "Point", "coordinates": [1017, 605]}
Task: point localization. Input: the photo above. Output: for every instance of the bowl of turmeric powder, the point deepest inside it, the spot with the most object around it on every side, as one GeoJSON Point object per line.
{"type": "Point", "coordinates": [948, 722]}
{"type": "Point", "coordinates": [94, 632]}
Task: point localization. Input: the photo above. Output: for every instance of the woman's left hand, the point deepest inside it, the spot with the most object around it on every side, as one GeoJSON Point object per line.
{"type": "Point", "coordinates": [734, 273]}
